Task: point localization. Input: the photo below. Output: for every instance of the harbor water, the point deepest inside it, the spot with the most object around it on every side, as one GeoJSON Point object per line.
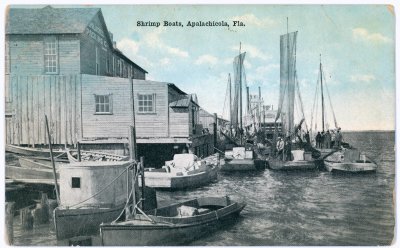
{"type": "Point", "coordinates": [294, 208]}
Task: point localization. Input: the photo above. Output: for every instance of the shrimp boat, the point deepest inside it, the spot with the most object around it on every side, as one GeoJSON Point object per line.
{"type": "Point", "coordinates": [176, 224]}
{"type": "Point", "coordinates": [242, 157]}
{"type": "Point", "coordinates": [91, 192]}
{"type": "Point", "coordinates": [295, 154]}
{"type": "Point", "coordinates": [349, 160]}
{"type": "Point", "coordinates": [184, 171]}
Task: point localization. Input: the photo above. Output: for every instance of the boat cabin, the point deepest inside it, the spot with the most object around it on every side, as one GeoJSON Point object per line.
{"type": "Point", "coordinates": [80, 184]}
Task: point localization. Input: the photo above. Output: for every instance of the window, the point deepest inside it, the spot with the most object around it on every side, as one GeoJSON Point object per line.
{"type": "Point", "coordinates": [76, 182]}
{"type": "Point", "coordinates": [146, 103]}
{"type": "Point", "coordinates": [103, 104]}
{"type": "Point", "coordinates": [97, 62]}
{"type": "Point", "coordinates": [50, 55]}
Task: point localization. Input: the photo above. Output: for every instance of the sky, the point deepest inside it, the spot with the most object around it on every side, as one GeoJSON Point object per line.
{"type": "Point", "coordinates": [357, 44]}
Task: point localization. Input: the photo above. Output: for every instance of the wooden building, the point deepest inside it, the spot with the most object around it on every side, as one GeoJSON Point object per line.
{"type": "Point", "coordinates": [63, 41]}
{"type": "Point", "coordinates": [63, 63]}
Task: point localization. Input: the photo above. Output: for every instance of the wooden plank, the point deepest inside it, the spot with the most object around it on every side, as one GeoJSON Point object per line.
{"type": "Point", "coordinates": [59, 112]}
{"type": "Point", "coordinates": [18, 111]}
{"type": "Point", "coordinates": [70, 106]}
{"type": "Point", "coordinates": [65, 107]}
{"type": "Point", "coordinates": [32, 110]}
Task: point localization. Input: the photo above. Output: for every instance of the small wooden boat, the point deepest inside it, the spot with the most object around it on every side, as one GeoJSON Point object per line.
{"type": "Point", "coordinates": [301, 161]}
{"type": "Point", "coordinates": [172, 225]}
{"type": "Point", "coordinates": [184, 171]}
{"type": "Point", "coordinates": [94, 156]}
{"type": "Point", "coordinates": [349, 160]}
{"type": "Point", "coordinates": [241, 160]}
{"type": "Point", "coordinates": [91, 192]}
{"type": "Point", "coordinates": [21, 174]}
{"type": "Point", "coordinates": [28, 151]}
{"type": "Point", "coordinates": [40, 163]}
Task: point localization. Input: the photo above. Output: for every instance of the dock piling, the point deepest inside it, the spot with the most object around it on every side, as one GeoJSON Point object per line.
{"type": "Point", "coordinates": [26, 219]}
{"type": "Point", "coordinates": [10, 222]}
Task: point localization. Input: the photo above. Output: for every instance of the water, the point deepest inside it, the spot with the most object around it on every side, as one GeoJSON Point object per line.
{"type": "Point", "coordinates": [296, 208]}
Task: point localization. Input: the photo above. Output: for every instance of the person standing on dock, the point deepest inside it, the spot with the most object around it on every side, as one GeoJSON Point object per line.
{"type": "Point", "coordinates": [318, 140]}
{"type": "Point", "coordinates": [327, 140]}
{"type": "Point", "coordinates": [280, 145]}
{"type": "Point", "coordinates": [338, 139]}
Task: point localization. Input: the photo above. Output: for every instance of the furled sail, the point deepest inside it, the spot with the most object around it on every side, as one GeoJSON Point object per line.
{"type": "Point", "coordinates": [237, 84]}
{"type": "Point", "coordinates": [287, 81]}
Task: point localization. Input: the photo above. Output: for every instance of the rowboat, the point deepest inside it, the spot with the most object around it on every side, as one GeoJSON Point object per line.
{"type": "Point", "coordinates": [349, 160]}
{"type": "Point", "coordinates": [36, 152]}
{"type": "Point", "coordinates": [94, 156]}
{"type": "Point", "coordinates": [241, 160]}
{"type": "Point", "coordinates": [39, 163]}
{"type": "Point", "coordinates": [184, 171]}
{"type": "Point", "coordinates": [28, 174]}
{"type": "Point", "coordinates": [171, 225]}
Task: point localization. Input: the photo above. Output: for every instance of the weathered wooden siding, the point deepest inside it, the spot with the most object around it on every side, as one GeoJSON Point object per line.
{"type": "Point", "coordinates": [179, 122]}
{"type": "Point", "coordinates": [31, 97]}
{"type": "Point", "coordinates": [116, 125]}
{"type": "Point", "coordinates": [26, 54]}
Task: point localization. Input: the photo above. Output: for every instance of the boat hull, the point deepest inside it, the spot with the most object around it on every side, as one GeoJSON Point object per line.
{"type": "Point", "coordinates": [36, 163]}
{"type": "Point", "coordinates": [77, 222]}
{"type": "Point", "coordinates": [350, 167]}
{"type": "Point", "coordinates": [169, 181]}
{"type": "Point", "coordinates": [243, 165]}
{"type": "Point", "coordinates": [146, 233]}
{"type": "Point", "coordinates": [20, 173]}
{"type": "Point", "coordinates": [27, 151]}
{"type": "Point", "coordinates": [292, 165]}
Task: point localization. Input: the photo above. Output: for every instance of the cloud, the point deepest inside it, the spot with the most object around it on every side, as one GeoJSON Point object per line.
{"type": "Point", "coordinates": [206, 59]}
{"type": "Point", "coordinates": [165, 61]}
{"type": "Point", "coordinates": [366, 78]}
{"type": "Point", "coordinates": [253, 52]}
{"type": "Point", "coordinates": [153, 40]}
{"type": "Point", "coordinates": [364, 34]}
{"type": "Point", "coordinates": [128, 46]}
{"type": "Point", "coordinates": [251, 19]}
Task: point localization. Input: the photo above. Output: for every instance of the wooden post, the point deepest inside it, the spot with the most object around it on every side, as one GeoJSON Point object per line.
{"type": "Point", "coordinates": [132, 144]}
{"type": "Point", "coordinates": [44, 201]}
{"type": "Point", "coordinates": [78, 144]}
{"type": "Point", "coordinates": [26, 219]}
{"type": "Point", "coordinates": [10, 222]}
{"type": "Point", "coordinates": [52, 161]}
{"type": "Point", "coordinates": [215, 130]}
{"type": "Point", "coordinates": [143, 182]}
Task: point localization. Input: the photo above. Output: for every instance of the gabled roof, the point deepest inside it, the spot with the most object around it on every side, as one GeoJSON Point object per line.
{"type": "Point", "coordinates": [49, 20]}
{"type": "Point", "coordinates": [181, 103]}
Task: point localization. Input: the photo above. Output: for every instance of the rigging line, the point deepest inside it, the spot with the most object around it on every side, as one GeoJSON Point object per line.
{"type": "Point", "coordinates": [226, 96]}
{"type": "Point", "coordinates": [313, 111]}
{"type": "Point", "coordinates": [330, 102]}
{"type": "Point", "coordinates": [300, 100]}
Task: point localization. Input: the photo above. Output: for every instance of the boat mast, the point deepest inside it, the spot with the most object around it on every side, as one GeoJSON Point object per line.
{"type": "Point", "coordinates": [322, 95]}
{"type": "Point", "coordinates": [230, 104]}
{"type": "Point", "coordinates": [288, 74]}
{"type": "Point", "coordinates": [240, 91]}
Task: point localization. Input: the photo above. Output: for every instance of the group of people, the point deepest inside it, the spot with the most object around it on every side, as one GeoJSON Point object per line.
{"type": "Point", "coordinates": [328, 139]}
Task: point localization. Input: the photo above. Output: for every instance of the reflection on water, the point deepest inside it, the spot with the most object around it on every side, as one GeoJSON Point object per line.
{"type": "Point", "coordinates": [296, 208]}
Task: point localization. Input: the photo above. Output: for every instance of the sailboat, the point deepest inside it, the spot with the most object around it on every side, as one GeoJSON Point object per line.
{"type": "Point", "coordinates": [242, 156]}
{"type": "Point", "coordinates": [290, 152]}
{"type": "Point", "coordinates": [344, 158]}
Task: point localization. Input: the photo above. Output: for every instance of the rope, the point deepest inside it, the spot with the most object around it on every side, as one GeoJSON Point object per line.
{"type": "Point", "coordinates": [330, 103]}
{"type": "Point", "coordinates": [103, 189]}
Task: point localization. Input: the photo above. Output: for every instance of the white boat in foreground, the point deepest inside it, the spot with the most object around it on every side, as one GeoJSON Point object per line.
{"type": "Point", "coordinates": [176, 224]}
{"type": "Point", "coordinates": [349, 160]}
{"type": "Point", "coordinates": [184, 171]}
